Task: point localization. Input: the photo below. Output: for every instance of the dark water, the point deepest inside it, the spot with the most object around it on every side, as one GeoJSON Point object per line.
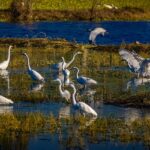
{"type": "Point", "coordinates": [79, 31]}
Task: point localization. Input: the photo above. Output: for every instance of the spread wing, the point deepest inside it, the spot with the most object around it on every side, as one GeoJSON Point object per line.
{"type": "Point", "coordinates": [133, 59]}
{"type": "Point", "coordinates": [94, 33]}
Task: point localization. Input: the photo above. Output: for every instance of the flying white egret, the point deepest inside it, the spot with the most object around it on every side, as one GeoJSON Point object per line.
{"type": "Point", "coordinates": [5, 63]}
{"type": "Point", "coordinates": [136, 63]}
{"type": "Point", "coordinates": [5, 101]}
{"type": "Point", "coordinates": [81, 106]}
{"type": "Point", "coordinates": [66, 65]}
{"type": "Point", "coordinates": [33, 74]}
{"type": "Point", "coordinates": [94, 33]}
{"type": "Point", "coordinates": [65, 94]}
{"type": "Point", "coordinates": [83, 80]}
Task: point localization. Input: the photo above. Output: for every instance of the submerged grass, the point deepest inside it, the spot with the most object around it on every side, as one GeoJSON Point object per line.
{"type": "Point", "coordinates": [101, 129]}
{"type": "Point", "coordinates": [112, 87]}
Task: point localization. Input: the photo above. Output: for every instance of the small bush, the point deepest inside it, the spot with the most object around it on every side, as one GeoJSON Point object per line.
{"type": "Point", "coordinates": [21, 10]}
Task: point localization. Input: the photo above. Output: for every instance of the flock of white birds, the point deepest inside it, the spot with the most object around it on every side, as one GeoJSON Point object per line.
{"type": "Point", "coordinates": [136, 63]}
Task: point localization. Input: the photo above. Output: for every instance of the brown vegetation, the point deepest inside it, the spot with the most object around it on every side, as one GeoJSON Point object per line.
{"type": "Point", "coordinates": [20, 13]}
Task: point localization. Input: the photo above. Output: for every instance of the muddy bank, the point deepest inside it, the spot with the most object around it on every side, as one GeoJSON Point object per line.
{"type": "Point", "coordinates": [56, 43]}
{"type": "Point", "coordinates": [125, 13]}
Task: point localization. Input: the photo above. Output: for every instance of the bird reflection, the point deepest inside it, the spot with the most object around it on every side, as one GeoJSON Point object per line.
{"type": "Point", "coordinates": [6, 109]}
{"type": "Point", "coordinates": [36, 87]}
{"type": "Point", "coordinates": [86, 91]}
{"type": "Point", "coordinates": [133, 83]}
{"type": "Point", "coordinates": [5, 75]}
{"type": "Point", "coordinates": [131, 114]}
{"type": "Point", "coordinates": [65, 112]}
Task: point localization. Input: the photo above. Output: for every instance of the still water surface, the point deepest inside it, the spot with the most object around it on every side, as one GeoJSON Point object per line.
{"type": "Point", "coordinates": [79, 31]}
{"type": "Point", "coordinates": [114, 81]}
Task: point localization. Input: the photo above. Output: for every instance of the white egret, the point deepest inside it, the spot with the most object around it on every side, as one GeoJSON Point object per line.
{"type": "Point", "coordinates": [81, 106]}
{"type": "Point", "coordinates": [5, 63]}
{"type": "Point", "coordinates": [33, 74]}
{"type": "Point", "coordinates": [83, 80]}
{"type": "Point", "coordinates": [66, 65]}
{"type": "Point", "coordinates": [94, 33]}
{"type": "Point", "coordinates": [5, 101]}
{"type": "Point", "coordinates": [65, 94]}
{"type": "Point", "coordinates": [136, 63]}
{"type": "Point", "coordinates": [65, 71]}
{"type": "Point", "coordinates": [110, 6]}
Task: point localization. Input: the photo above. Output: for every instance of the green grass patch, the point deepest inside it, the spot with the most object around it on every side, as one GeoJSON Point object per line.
{"type": "Point", "coordinates": [79, 4]}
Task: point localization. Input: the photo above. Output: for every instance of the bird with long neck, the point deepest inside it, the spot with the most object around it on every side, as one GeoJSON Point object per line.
{"type": "Point", "coordinates": [81, 106]}
{"type": "Point", "coordinates": [66, 73]}
{"type": "Point", "coordinates": [66, 65]}
{"type": "Point", "coordinates": [33, 73]}
{"type": "Point", "coordinates": [83, 80]}
{"type": "Point", "coordinates": [5, 63]}
{"type": "Point", "coordinates": [65, 94]}
{"type": "Point", "coordinates": [72, 60]}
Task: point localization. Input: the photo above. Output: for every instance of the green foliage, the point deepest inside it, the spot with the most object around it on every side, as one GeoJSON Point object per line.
{"type": "Point", "coordinates": [79, 4]}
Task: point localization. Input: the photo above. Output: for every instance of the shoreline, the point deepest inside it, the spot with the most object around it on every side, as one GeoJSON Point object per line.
{"type": "Point", "coordinates": [122, 14]}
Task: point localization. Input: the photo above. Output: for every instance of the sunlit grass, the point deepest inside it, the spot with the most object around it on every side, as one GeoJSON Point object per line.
{"type": "Point", "coordinates": [79, 4]}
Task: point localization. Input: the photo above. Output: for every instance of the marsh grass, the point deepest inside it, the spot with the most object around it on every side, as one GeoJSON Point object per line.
{"type": "Point", "coordinates": [100, 129]}
{"type": "Point", "coordinates": [99, 59]}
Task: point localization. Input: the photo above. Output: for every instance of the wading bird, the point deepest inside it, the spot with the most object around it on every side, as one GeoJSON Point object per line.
{"type": "Point", "coordinates": [81, 106]}
{"type": "Point", "coordinates": [136, 63]}
{"type": "Point", "coordinates": [33, 74]}
{"type": "Point", "coordinates": [5, 101]}
{"type": "Point", "coordinates": [94, 33]}
{"type": "Point", "coordinates": [5, 63]}
{"type": "Point", "coordinates": [66, 65]}
{"type": "Point", "coordinates": [65, 94]}
{"type": "Point", "coordinates": [83, 80]}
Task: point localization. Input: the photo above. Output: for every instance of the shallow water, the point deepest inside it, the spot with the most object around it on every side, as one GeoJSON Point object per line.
{"type": "Point", "coordinates": [79, 31]}
{"type": "Point", "coordinates": [114, 81]}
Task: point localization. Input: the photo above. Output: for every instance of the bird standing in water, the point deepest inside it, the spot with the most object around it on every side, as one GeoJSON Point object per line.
{"type": "Point", "coordinates": [33, 73]}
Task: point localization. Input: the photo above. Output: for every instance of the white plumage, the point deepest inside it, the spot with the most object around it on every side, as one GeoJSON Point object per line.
{"type": "Point", "coordinates": [66, 65]}
{"type": "Point", "coordinates": [133, 59]}
{"type": "Point", "coordinates": [84, 80]}
{"type": "Point", "coordinates": [81, 106]}
{"type": "Point", "coordinates": [5, 101]}
{"type": "Point", "coordinates": [110, 6]}
{"type": "Point", "coordinates": [136, 63]}
{"type": "Point", "coordinates": [5, 63]}
{"type": "Point", "coordinates": [33, 74]}
{"type": "Point", "coordinates": [94, 33]}
{"type": "Point", "coordinates": [65, 94]}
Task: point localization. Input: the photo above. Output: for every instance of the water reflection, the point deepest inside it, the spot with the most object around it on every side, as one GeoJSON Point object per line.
{"type": "Point", "coordinates": [35, 87]}
{"type": "Point", "coordinates": [6, 109]}
{"type": "Point", "coordinates": [5, 75]}
{"type": "Point", "coordinates": [134, 83]}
